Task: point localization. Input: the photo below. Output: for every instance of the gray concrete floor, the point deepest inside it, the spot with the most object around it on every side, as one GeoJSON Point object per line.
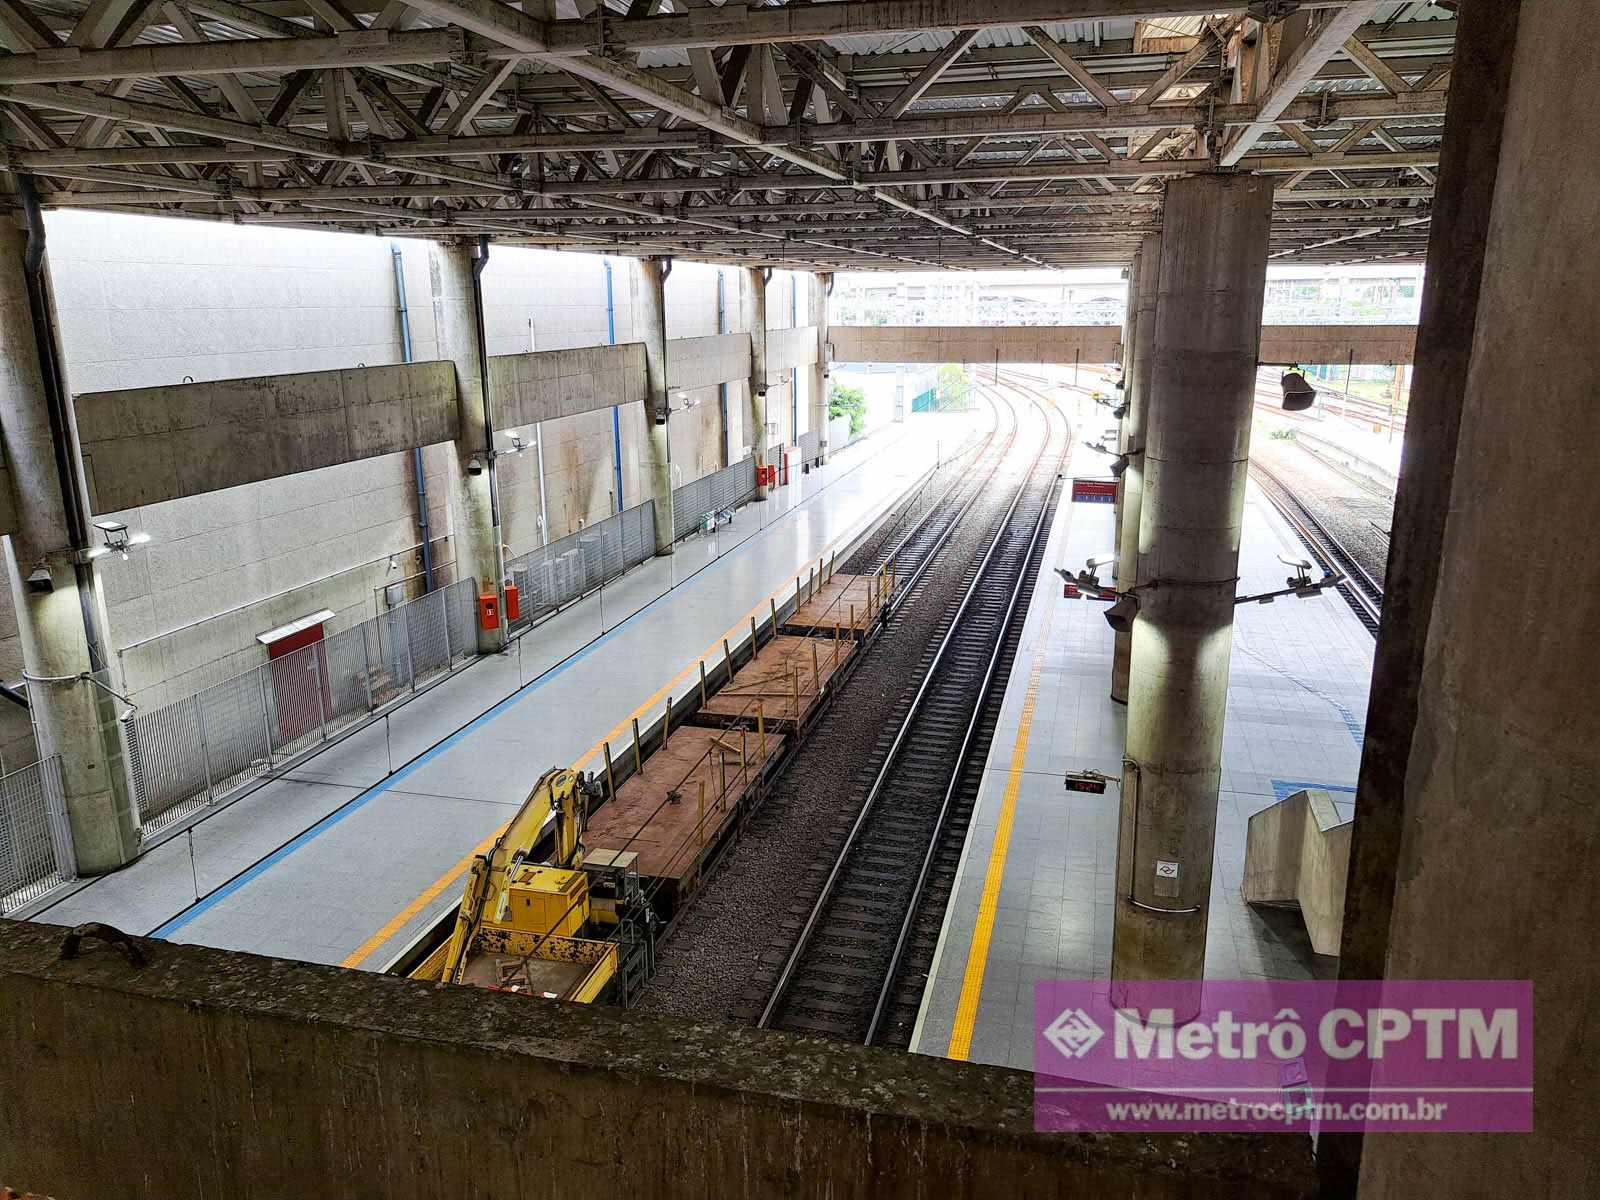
{"type": "Point", "coordinates": [344, 858]}
{"type": "Point", "coordinates": [1297, 701]}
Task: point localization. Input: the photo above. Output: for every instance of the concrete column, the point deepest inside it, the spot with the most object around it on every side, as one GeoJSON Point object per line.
{"type": "Point", "coordinates": [650, 326]}
{"type": "Point", "coordinates": [1197, 440]}
{"type": "Point", "coordinates": [54, 589]}
{"type": "Point", "coordinates": [755, 322]}
{"type": "Point", "coordinates": [817, 315]}
{"type": "Point", "coordinates": [1494, 836]}
{"type": "Point", "coordinates": [1119, 658]}
{"type": "Point", "coordinates": [1136, 394]}
{"type": "Point", "coordinates": [478, 541]}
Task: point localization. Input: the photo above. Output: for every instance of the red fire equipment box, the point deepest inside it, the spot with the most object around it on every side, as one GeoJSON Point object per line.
{"type": "Point", "coordinates": [489, 611]}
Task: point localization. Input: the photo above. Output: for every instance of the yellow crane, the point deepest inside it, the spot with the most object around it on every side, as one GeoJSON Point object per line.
{"type": "Point", "coordinates": [546, 928]}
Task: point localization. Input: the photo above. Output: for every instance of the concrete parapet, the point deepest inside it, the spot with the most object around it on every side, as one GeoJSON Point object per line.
{"type": "Point", "coordinates": [256, 1077]}
{"type": "Point", "coordinates": [146, 445]}
{"type": "Point", "coordinates": [1298, 852]}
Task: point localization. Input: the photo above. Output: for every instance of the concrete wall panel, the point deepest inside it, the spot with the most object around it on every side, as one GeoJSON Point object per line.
{"type": "Point", "coordinates": [702, 362]}
{"type": "Point", "coordinates": [1100, 343]}
{"type": "Point", "coordinates": [1338, 343]}
{"type": "Point", "coordinates": [544, 385]}
{"type": "Point", "coordinates": [789, 349]}
{"type": "Point", "coordinates": [147, 445]}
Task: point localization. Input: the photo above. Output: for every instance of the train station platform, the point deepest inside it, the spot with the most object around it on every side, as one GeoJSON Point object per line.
{"type": "Point", "coordinates": [346, 857]}
{"type": "Point", "coordinates": [1033, 898]}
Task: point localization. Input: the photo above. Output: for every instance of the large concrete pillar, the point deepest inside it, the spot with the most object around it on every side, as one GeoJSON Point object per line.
{"type": "Point", "coordinates": [1125, 348]}
{"type": "Point", "coordinates": [1463, 207]}
{"type": "Point", "coordinates": [459, 321]}
{"type": "Point", "coordinates": [1494, 873]}
{"type": "Point", "coordinates": [53, 583]}
{"type": "Point", "coordinates": [817, 315]}
{"type": "Point", "coordinates": [755, 322]}
{"type": "Point", "coordinates": [1136, 395]}
{"type": "Point", "coordinates": [650, 325]}
{"type": "Point", "coordinates": [1213, 267]}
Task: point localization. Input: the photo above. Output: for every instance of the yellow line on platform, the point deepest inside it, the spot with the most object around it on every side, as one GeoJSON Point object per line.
{"type": "Point", "coordinates": [983, 929]}
{"type": "Point", "coordinates": [367, 948]}
{"type": "Point", "coordinates": [435, 889]}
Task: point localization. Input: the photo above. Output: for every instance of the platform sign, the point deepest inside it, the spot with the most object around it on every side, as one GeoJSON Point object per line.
{"type": "Point", "coordinates": [1094, 491]}
{"type": "Point", "coordinates": [1085, 781]}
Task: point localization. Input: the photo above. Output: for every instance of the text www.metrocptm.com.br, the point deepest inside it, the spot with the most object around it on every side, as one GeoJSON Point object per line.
{"type": "Point", "coordinates": [1420, 1110]}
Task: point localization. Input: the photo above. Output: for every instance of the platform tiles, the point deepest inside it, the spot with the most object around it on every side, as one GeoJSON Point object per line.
{"type": "Point", "coordinates": [676, 813]}
{"type": "Point", "coordinates": [351, 855]}
{"type": "Point", "coordinates": [1033, 898]}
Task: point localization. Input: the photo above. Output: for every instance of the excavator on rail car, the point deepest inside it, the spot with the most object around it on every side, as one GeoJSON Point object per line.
{"type": "Point", "coordinates": [569, 926]}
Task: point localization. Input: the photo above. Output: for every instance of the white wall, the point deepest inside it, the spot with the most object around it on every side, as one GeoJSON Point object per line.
{"type": "Point", "coordinates": [146, 301]}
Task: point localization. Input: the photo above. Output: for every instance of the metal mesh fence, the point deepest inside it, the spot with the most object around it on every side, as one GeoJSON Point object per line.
{"type": "Point", "coordinates": [190, 753]}
{"type": "Point", "coordinates": [727, 488]}
{"type": "Point", "coordinates": [558, 573]}
{"type": "Point", "coordinates": [35, 840]}
{"type": "Point", "coordinates": [810, 443]}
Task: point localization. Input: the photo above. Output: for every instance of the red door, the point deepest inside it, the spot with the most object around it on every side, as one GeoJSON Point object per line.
{"type": "Point", "coordinates": [299, 683]}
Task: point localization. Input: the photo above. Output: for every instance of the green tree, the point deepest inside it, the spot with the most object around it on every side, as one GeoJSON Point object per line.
{"type": "Point", "coordinates": [954, 388]}
{"type": "Point", "coordinates": [848, 402]}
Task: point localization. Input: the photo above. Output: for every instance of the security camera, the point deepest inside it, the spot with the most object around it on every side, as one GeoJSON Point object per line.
{"type": "Point", "coordinates": [474, 466]}
{"type": "Point", "coordinates": [39, 580]}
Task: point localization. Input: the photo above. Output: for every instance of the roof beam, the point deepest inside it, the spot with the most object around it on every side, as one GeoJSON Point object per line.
{"type": "Point", "coordinates": [367, 48]}
{"type": "Point", "coordinates": [1076, 70]}
{"type": "Point", "coordinates": [1310, 56]}
{"type": "Point", "coordinates": [161, 116]}
{"type": "Point", "coordinates": [929, 75]}
{"type": "Point", "coordinates": [737, 24]}
{"type": "Point", "coordinates": [1209, 41]}
{"type": "Point", "coordinates": [1126, 119]}
{"type": "Point", "coordinates": [1379, 71]}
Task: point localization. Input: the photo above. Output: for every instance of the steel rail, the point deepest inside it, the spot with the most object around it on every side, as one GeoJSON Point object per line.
{"type": "Point", "coordinates": [1361, 591]}
{"type": "Point", "coordinates": [969, 735]}
{"type": "Point", "coordinates": [898, 598]}
{"type": "Point", "coordinates": [875, 791]}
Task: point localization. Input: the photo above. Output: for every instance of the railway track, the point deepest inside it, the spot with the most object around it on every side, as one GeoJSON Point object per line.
{"type": "Point", "coordinates": [1360, 590]}
{"type": "Point", "coordinates": [860, 956]}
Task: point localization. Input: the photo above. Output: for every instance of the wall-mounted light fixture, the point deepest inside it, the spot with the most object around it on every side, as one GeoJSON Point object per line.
{"type": "Point", "coordinates": [117, 538]}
